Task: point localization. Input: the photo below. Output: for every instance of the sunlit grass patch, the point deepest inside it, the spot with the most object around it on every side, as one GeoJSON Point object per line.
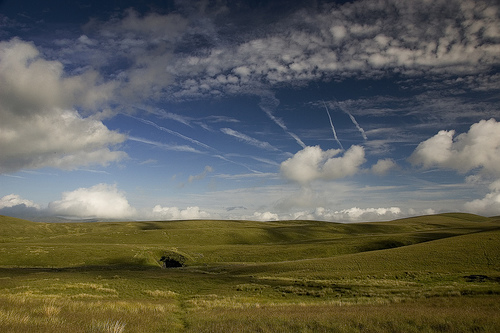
{"type": "Point", "coordinates": [108, 326]}
{"type": "Point", "coordinates": [161, 293]}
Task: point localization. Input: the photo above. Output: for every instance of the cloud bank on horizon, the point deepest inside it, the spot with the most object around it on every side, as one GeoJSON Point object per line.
{"type": "Point", "coordinates": [217, 109]}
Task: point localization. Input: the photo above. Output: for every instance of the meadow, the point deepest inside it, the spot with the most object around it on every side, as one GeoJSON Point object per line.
{"type": "Point", "coordinates": [437, 273]}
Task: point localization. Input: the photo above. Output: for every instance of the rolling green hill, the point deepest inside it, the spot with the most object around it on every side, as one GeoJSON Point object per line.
{"type": "Point", "coordinates": [33, 244]}
{"type": "Point", "coordinates": [108, 275]}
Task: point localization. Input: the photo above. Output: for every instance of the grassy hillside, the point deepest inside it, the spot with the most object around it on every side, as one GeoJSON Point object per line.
{"type": "Point", "coordinates": [30, 244]}
{"type": "Point", "coordinates": [251, 276]}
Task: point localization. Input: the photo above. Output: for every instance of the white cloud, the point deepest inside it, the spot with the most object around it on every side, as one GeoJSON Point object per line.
{"type": "Point", "coordinates": [266, 216]}
{"type": "Point", "coordinates": [202, 175]}
{"type": "Point", "coordinates": [152, 25]}
{"type": "Point", "coordinates": [383, 166]}
{"type": "Point", "coordinates": [196, 59]}
{"type": "Point", "coordinates": [174, 213]}
{"type": "Point", "coordinates": [32, 84]}
{"type": "Point", "coordinates": [332, 41]}
{"type": "Point", "coordinates": [147, 42]}
{"type": "Point", "coordinates": [374, 38]}
{"type": "Point", "coordinates": [39, 126]}
{"type": "Point", "coordinates": [477, 149]}
{"type": "Point", "coordinates": [428, 211]}
{"type": "Point", "coordinates": [353, 214]}
{"type": "Point", "coordinates": [14, 205]}
{"type": "Point", "coordinates": [313, 163]}
{"type": "Point", "coordinates": [489, 205]}
{"type": "Point", "coordinates": [13, 200]}
{"type": "Point", "coordinates": [101, 201]}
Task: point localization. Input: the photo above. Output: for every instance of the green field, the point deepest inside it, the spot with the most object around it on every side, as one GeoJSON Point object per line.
{"type": "Point", "coordinates": [438, 273]}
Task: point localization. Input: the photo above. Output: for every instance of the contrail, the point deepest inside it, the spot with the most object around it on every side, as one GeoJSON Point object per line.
{"type": "Point", "coordinates": [333, 128]}
{"type": "Point", "coordinates": [361, 130]}
{"type": "Point", "coordinates": [267, 104]}
{"type": "Point", "coordinates": [184, 148]}
{"type": "Point", "coordinates": [165, 146]}
{"type": "Point", "coordinates": [196, 142]}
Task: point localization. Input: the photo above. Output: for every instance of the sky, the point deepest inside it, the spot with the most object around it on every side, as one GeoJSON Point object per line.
{"type": "Point", "coordinates": [343, 111]}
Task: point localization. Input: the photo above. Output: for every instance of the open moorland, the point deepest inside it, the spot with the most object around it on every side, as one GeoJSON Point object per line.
{"type": "Point", "coordinates": [438, 273]}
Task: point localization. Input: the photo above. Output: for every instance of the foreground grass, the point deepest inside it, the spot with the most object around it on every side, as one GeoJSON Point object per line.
{"type": "Point", "coordinates": [32, 314]}
{"type": "Point", "coordinates": [426, 315]}
{"type": "Point", "coordinates": [427, 274]}
{"type": "Point", "coordinates": [444, 314]}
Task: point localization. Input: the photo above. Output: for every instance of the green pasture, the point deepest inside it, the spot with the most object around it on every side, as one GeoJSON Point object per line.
{"type": "Point", "coordinates": [434, 273]}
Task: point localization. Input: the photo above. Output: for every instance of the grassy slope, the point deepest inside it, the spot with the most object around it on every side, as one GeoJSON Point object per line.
{"type": "Point", "coordinates": [86, 277]}
{"type": "Point", "coordinates": [30, 244]}
{"type": "Point", "coordinates": [472, 253]}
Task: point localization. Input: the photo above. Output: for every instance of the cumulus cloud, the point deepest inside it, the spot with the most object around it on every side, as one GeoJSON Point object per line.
{"type": "Point", "coordinates": [39, 125]}
{"type": "Point", "coordinates": [14, 205]}
{"type": "Point", "coordinates": [479, 148]}
{"type": "Point", "coordinates": [175, 213]}
{"type": "Point", "coordinates": [383, 166]}
{"type": "Point", "coordinates": [12, 200]}
{"type": "Point", "coordinates": [353, 214]}
{"type": "Point", "coordinates": [101, 201]}
{"type": "Point", "coordinates": [266, 216]}
{"type": "Point", "coordinates": [489, 205]}
{"type": "Point", "coordinates": [312, 163]}
{"type": "Point", "coordinates": [32, 84]}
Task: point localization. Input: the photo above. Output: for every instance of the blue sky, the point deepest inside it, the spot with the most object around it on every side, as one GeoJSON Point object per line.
{"type": "Point", "coordinates": [260, 110]}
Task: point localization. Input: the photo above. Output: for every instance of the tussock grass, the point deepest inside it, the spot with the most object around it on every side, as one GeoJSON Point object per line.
{"type": "Point", "coordinates": [26, 314]}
